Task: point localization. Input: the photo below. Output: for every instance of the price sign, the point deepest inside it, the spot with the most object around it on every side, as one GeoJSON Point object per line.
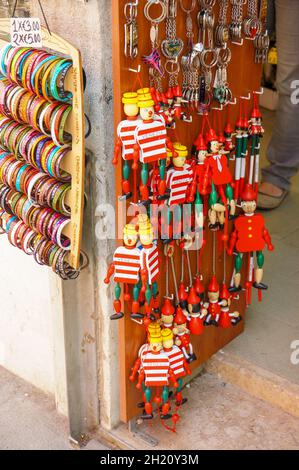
{"type": "Point", "coordinates": [26, 32]}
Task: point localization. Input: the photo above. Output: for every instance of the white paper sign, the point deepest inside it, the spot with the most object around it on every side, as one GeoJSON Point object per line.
{"type": "Point", "coordinates": [26, 32]}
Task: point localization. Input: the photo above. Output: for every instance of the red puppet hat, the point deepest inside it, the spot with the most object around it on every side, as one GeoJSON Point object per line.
{"type": "Point", "coordinates": [256, 113]}
{"type": "Point", "coordinates": [167, 309]}
{"type": "Point", "coordinates": [248, 194]}
{"type": "Point", "coordinates": [224, 294]}
{"type": "Point", "coordinates": [169, 94]}
{"type": "Point", "coordinates": [228, 129]}
{"type": "Point", "coordinates": [211, 136]}
{"type": "Point", "coordinates": [177, 91]}
{"type": "Point", "coordinates": [180, 318]}
{"type": "Point", "coordinates": [213, 286]}
{"type": "Point", "coordinates": [240, 124]}
{"type": "Point", "coordinates": [183, 295]}
{"type": "Point", "coordinates": [221, 138]}
{"type": "Point", "coordinates": [200, 143]}
{"type": "Point", "coordinates": [199, 287]}
{"type": "Point", "coordinates": [193, 298]}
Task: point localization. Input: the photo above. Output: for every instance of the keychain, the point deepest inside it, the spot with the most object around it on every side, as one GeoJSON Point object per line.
{"type": "Point", "coordinates": [222, 29]}
{"type": "Point", "coordinates": [262, 40]}
{"type": "Point", "coordinates": [235, 28]}
{"type": "Point", "coordinates": [153, 60]}
{"type": "Point", "coordinates": [252, 25]}
{"type": "Point", "coordinates": [131, 30]}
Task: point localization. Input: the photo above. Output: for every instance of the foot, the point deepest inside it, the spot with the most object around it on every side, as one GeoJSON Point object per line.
{"type": "Point", "coordinates": [145, 416]}
{"type": "Point", "coordinates": [214, 323]}
{"type": "Point", "coordinates": [144, 203]}
{"type": "Point", "coordinates": [182, 402]}
{"type": "Point", "coordinates": [191, 358]}
{"type": "Point", "coordinates": [167, 416]}
{"type": "Point", "coordinates": [237, 320]}
{"type": "Point", "coordinates": [234, 289]}
{"type": "Point", "coordinates": [270, 196]}
{"type": "Point", "coordinates": [260, 286]}
{"type": "Point", "coordinates": [207, 323]}
{"type": "Point", "coordinates": [117, 316]}
{"type": "Point", "coordinates": [214, 227]}
{"type": "Point", "coordinates": [136, 316]}
{"type": "Point", "coordinates": [125, 197]}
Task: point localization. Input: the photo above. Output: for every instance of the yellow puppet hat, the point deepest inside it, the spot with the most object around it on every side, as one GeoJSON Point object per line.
{"type": "Point", "coordinates": [155, 337]}
{"type": "Point", "coordinates": [144, 224]}
{"type": "Point", "coordinates": [130, 98]}
{"type": "Point", "coordinates": [182, 150]}
{"type": "Point", "coordinates": [130, 229]}
{"type": "Point", "coordinates": [167, 334]}
{"type": "Point", "coordinates": [146, 101]}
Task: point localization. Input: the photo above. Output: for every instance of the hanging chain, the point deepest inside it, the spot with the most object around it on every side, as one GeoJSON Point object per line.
{"type": "Point", "coordinates": [222, 31]}
{"type": "Point", "coordinates": [235, 28]}
{"type": "Point", "coordinates": [252, 25]}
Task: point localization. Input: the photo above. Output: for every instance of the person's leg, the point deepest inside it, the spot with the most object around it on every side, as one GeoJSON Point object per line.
{"type": "Point", "coordinates": [283, 150]}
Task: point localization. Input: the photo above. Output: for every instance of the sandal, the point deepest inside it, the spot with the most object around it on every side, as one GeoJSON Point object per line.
{"type": "Point", "coordinates": [269, 202]}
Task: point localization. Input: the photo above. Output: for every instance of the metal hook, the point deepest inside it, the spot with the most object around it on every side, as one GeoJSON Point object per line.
{"type": "Point", "coordinates": [218, 109]}
{"type": "Point", "coordinates": [233, 103]}
{"type": "Point", "coordinates": [238, 43]}
{"type": "Point", "coordinates": [248, 97]}
{"type": "Point", "coordinates": [259, 92]}
{"type": "Point", "coordinates": [136, 71]}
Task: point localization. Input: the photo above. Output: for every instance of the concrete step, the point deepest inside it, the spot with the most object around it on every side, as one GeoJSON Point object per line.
{"type": "Point", "coordinates": [256, 381]}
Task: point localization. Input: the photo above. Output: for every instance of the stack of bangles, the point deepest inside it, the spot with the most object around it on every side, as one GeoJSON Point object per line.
{"type": "Point", "coordinates": [44, 221]}
{"type": "Point", "coordinates": [37, 71]}
{"type": "Point", "coordinates": [35, 148]}
{"type": "Point", "coordinates": [32, 243]}
{"type": "Point", "coordinates": [39, 188]}
{"type": "Point", "coordinates": [25, 107]}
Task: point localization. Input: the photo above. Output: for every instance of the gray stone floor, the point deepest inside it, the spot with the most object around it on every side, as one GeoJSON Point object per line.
{"type": "Point", "coordinates": [274, 324]}
{"type": "Point", "coordinates": [28, 418]}
{"type": "Point", "coordinates": [222, 416]}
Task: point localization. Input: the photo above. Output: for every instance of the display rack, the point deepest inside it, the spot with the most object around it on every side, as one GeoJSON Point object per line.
{"type": "Point", "coordinates": [74, 162]}
{"type": "Point", "coordinates": [244, 76]}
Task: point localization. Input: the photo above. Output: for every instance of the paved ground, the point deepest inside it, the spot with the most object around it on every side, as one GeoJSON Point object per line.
{"type": "Point", "coordinates": [274, 324]}
{"type": "Point", "coordinates": [28, 419]}
{"type": "Point", "coordinates": [222, 416]}
{"type": "Point", "coordinates": [217, 416]}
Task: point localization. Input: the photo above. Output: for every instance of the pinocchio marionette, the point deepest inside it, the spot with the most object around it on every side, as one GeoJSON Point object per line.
{"type": "Point", "coordinates": [154, 371]}
{"type": "Point", "coordinates": [178, 180]}
{"type": "Point", "coordinates": [182, 336]}
{"type": "Point", "coordinates": [151, 144]}
{"type": "Point", "coordinates": [149, 256]}
{"type": "Point", "coordinates": [250, 235]}
{"type": "Point", "coordinates": [218, 175]}
{"type": "Point", "coordinates": [126, 267]}
{"type": "Point", "coordinates": [125, 142]}
{"type": "Point", "coordinates": [178, 363]}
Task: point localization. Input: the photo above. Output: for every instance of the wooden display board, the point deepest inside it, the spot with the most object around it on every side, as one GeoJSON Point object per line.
{"type": "Point", "coordinates": [74, 162]}
{"type": "Point", "coordinates": [243, 76]}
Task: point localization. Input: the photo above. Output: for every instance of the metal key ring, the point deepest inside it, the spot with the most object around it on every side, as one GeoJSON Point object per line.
{"type": "Point", "coordinates": [224, 56]}
{"type": "Point", "coordinates": [185, 10]}
{"type": "Point", "coordinates": [174, 70]}
{"type": "Point", "coordinates": [213, 61]}
{"type": "Point", "coordinates": [163, 13]}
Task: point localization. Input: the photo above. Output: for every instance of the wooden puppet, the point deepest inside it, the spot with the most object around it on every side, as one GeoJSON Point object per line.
{"type": "Point", "coordinates": [250, 235]}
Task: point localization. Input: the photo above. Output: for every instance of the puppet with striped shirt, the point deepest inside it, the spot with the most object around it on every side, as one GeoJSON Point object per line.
{"type": "Point", "coordinates": [151, 145]}
{"type": "Point", "coordinates": [154, 372]}
{"type": "Point", "coordinates": [126, 267]}
{"type": "Point", "coordinates": [126, 141]}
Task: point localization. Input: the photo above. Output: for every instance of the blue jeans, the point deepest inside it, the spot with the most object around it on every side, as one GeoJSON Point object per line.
{"type": "Point", "coordinates": [283, 150]}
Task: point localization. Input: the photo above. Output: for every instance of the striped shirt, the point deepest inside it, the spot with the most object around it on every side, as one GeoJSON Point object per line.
{"type": "Point", "coordinates": [176, 358]}
{"type": "Point", "coordinates": [156, 369]}
{"type": "Point", "coordinates": [127, 265]}
{"type": "Point", "coordinates": [178, 182]}
{"type": "Point", "coordinates": [150, 261]}
{"type": "Point", "coordinates": [126, 133]}
{"type": "Point", "coordinates": [151, 138]}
